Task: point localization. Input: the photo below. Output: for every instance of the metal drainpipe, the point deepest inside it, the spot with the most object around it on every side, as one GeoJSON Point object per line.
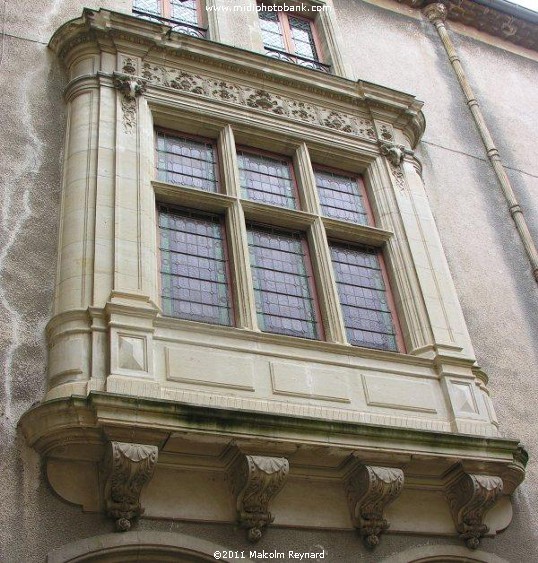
{"type": "Point", "coordinates": [437, 13]}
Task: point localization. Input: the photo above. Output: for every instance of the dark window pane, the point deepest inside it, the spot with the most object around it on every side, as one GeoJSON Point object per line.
{"type": "Point", "coordinates": [282, 284]}
{"type": "Point", "coordinates": [186, 162]}
{"type": "Point", "coordinates": [265, 179]}
{"type": "Point", "coordinates": [340, 197]}
{"type": "Point", "coordinates": [363, 297]}
{"type": "Point", "coordinates": [193, 266]}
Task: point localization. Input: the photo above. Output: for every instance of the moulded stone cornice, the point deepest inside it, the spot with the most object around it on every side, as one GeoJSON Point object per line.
{"type": "Point", "coordinates": [154, 43]}
{"type": "Point", "coordinates": [512, 27]}
{"type": "Point", "coordinates": [104, 415]}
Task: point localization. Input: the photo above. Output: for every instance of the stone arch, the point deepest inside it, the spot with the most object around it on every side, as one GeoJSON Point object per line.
{"type": "Point", "coordinates": [139, 547]}
{"type": "Point", "coordinates": [443, 554]}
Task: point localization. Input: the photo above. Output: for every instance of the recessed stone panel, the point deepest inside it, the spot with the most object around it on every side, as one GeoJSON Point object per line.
{"type": "Point", "coordinates": [395, 392]}
{"type": "Point", "coordinates": [194, 364]}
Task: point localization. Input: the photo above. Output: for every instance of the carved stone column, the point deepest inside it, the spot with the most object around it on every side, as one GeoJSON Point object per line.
{"type": "Point", "coordinates": [470, 497]}
{"type": "Point", "coordinates": [128, 467]}
{"type": "Point", "coordinates": [256, 480]}
{"type": "Point", "coordinates": [369, 490]}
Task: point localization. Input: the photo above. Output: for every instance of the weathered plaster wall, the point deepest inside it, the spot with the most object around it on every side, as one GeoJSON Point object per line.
{"type": "Point", "coordinates": [491, 271]}
{"type": "Point", "coordinates": [487, 260]}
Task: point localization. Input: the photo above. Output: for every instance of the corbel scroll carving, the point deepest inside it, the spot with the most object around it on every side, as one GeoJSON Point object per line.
{"type": "Point", "coordinates": [256, 481]}
{"type": "Point", "coordinates": [470, 497]}
{"type": "Point", "coordinates": [395, 155]}
{"type": "Point", "coordinates": [369, 490]}
{"type": "Point", "coordinates": [129, 467]}
{"type": "Point", "coordinates": [130, 87]}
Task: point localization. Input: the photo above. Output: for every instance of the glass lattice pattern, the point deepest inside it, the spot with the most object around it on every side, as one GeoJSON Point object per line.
{"type": "Point", "coordinates": [151, 6]}
{"type": "Point", "coordinates": [193, 266]}
{"type": "Point", "coordinates": [271, 31]}
{"type": "Point", "coordinates": [303, 38]}
{"type": "Point", "coordinates": [363, 296]}
{"type": "Point", "coordinates": [282, 282]}
{"type": "Point", "coordinates": [340, 197]}
{"type": "Point", "coordinates": [184, 11]}
{"type": "Point", "coordinates": [266, 179]}
{"type": "Point", "coordinates": [186, 162]}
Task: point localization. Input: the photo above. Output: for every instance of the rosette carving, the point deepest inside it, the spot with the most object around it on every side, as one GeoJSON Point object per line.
{"type": "Point", "coordinates": [129, 467]}
{"type": "Point", "coordinates": [470, 497]}
{"type": "Point", "coordinates": [256, 481]}
{"type": "Point", "coordinates": [369, 490]}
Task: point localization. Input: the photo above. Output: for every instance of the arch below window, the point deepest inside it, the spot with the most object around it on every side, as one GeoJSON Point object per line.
{"type": "Point", "coordinates": [138, 547]}
{"type": "Point", "coordinates": [443, 554]}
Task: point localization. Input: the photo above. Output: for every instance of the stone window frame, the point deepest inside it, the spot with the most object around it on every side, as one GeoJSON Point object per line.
{"type": "Point", "coordinates": [308, 218]}
{"type": "Point", "coordinates": [325, 28]}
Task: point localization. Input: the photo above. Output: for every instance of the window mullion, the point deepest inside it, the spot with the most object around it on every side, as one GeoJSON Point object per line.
{"type": "Point", "coordinates": [237, 235]}
{"type": "Point", "coordinates": [329, 301]}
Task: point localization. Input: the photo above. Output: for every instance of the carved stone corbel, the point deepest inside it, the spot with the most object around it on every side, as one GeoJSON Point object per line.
{"type": "Point", "coordinates": [369, 490]}
{"type": "Point", "coordinates": [130, 87]}
{"type": "Point", "coordinates": [395, 155]}
{"type": "Point", "coordinates": [128, 468]}
{"type": "Point", "coordinates": [256, 481]}
{"type": "Point", "coordinates": [470, 497]}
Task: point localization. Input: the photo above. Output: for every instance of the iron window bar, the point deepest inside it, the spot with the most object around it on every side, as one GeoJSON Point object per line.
{"type": "Point", "coordinates": [176, 25]}
{"type": "Point", "coordinates": [297, 59]}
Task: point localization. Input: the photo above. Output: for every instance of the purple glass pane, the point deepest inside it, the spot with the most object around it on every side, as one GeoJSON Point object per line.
{"type": "Point", "coordinates": [282, 284]}
{"type": "Point", "coordinates": [363, 297]}
{"type": "Point", "coordinates": [193, 266]}
{"type": "Point", "coordinates": [266, 179]}
{"type": "Point", "coordinates": [186, 162]}
{"type": "Point", "coordinates": [340, 197]}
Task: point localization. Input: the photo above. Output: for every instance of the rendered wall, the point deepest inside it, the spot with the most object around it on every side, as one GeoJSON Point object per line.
{"type": "Point", "coordinates": [488, 264]}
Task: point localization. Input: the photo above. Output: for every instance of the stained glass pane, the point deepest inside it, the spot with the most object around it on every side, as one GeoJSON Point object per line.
{"type": "Point", "coordinates": [340, 197]}
{"type": "Point", "coordinates": [303, 38]}
{"type": "Point", "coordinates": [265, 179]}
{"type": "Point", "coordinates": [193, 266]}
{"type": "Point", "coordinates": [184, 11]}
{"type": "Point", "coordinates": [282, 284]}
{"type": "Point", "coordinates": [186, 162]}
{"type": "Point", "coordinates": [151, 6]}
{"type": "Point", "coordinates": [363, 297]}
{"type": "Point", "coordinates": [271, 32]}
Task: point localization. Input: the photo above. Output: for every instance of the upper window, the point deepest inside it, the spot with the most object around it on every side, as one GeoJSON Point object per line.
{"type": "Point", "coordinates": [271, 243]}
{"type": "Point", "coordinates": [291, 38]}
{"type": "Point", "coordinates": [184, 15]}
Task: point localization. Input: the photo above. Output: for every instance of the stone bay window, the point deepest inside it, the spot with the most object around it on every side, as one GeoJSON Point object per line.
{"type": "Point", "coordinates": [252, 296]}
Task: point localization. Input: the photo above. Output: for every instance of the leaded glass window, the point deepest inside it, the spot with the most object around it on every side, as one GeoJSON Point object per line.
{"type": "Point", "coordinates": [186, 162]}
{"type": "Point", "coordinates": [182, 15]}
{"type": "Point", "coordinates": [282, 282]}
{"type": "Point", "coordinates": [340, 197]}
{"type": "Point", "coordinates": [194, 276]}
{"type": "Point", "coordinates": [266, 179]}
{"type": "Point", "coordinates": [271, 30]}
{"type": "Point", "coordinates": [363, 297]}
{"type": "Point", "coordinates": [184, 11]}
{"type": "Point", "coordinates": [302, 38]}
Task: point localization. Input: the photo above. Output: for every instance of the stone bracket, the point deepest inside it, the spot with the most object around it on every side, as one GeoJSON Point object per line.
{"type": "Point", "coordinates": [370, 489]}
{"type": "Point", "coordinates": [128, 468]}
{"type": "Point", "coordinates": [470, 496]}
{"type": "Point", "coordinates": [130, 87]}
{"type": "Point", "coordinates": [256, 480]}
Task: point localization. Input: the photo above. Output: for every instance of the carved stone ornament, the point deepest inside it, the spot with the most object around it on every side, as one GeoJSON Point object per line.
{"type": "Point", "coordinates": [369, 490]}
{"type": "Point", "coordinates": [256, 481]}
{"type": "Point", "coordinates": [395, 155]}
{"type": "Point", "coordinates": [130, 87]}
{"type": "Point", "coordinates": [129, 467]}
{"type": "Point", "coordinates": [470, 497]}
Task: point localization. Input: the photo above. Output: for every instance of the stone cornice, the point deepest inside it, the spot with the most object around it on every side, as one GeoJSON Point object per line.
{"type": "Point", "coordinates": [156, 44]}
{"type": "Point", "coordinates": [490, 17]}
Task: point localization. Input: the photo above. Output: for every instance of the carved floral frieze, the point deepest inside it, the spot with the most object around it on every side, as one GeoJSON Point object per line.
{"type": "Point", "coordinates": [258, 99]}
